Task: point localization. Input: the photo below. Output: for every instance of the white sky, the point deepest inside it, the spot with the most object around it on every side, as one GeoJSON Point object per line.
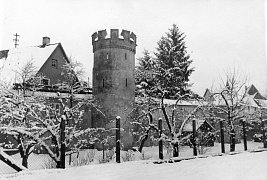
{"type": "Point", "coordinates": [221, 34]}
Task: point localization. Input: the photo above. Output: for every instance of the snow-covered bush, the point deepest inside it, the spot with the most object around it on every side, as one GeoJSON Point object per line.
{"type": "Point", "coordinates": [128, 156]}
{"type": "Point", "coordinates": [84, 157]}
{"type": "Point", "coordinates": [49, 164]}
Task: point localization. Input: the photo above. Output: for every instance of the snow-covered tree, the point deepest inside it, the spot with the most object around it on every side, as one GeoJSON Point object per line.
{"type": "Point", "coordinates": [257, 121]}
{"type": "Point", "coordinates": [73, 73]}
{"type": "Point", "coordinates": [173, 64]}
{"type": "Point", "coordinates": [15, 122]}
{"type": "Point", "coordinates": [31, 120]}
{"type": "Point", "coordinates": [145, 75]}
{"type": "Point", "coordinates": [164, 76]}
{"type": "Point", "coordinates": [173, 132]}
{"type": "Point", "coordinates": [231, 103]}
{"type": "Point", "coordinates": [14, 113]}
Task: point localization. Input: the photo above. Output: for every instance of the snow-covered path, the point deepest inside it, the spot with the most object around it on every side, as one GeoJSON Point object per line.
{"type": "Point", "coordinates": [245, 166]}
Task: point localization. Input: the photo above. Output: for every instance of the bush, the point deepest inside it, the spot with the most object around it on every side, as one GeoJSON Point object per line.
{"type": "Point", "coordinates": [84, 159]}
{"type": "Point", "coordinates": [49, 164]}
{"type": "Point", "coordinates": [128, 156]}
{"type": "Point", "coordinates": [108, 156]}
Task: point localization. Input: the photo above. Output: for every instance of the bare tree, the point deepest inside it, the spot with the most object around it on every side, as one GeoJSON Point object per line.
{"type": "Point", "coordinates": [231, 102]}
{"type": "Point", "coordinates": [174, 131]}
{"type": "Point", "coordinates": [73, 73]}
{"type": "Point", "coordinates": [26, 75]}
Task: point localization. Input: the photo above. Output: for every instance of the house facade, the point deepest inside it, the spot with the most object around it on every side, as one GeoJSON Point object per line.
{"type": "Point", "coordinates": [45, 63]}
{"type": "Point", "coordinates": [47, 60]}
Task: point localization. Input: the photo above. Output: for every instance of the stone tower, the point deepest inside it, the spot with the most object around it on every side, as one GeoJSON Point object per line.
{"type": "Point", "coordinates": [113, 75]}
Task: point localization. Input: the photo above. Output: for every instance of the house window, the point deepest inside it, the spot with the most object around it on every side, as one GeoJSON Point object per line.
{"type": "Point", "coordinates": [54, 63]}
{"type": "Point", "coordinates": [45, 81]}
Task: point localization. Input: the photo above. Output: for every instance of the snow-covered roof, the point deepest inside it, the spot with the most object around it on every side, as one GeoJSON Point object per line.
{"type": "Point", "coordinates": [262, 103]}
{"type": "Point", "coordinates": [182, 102]}
{"type": "Point", "coordinates": [62, 95]}
{"type": "Point", "coordinates": [250, 101]}
{"type": "Point", "coordinates": [16, 58]}
{"type": "Point", "coordinates": [254, 98]}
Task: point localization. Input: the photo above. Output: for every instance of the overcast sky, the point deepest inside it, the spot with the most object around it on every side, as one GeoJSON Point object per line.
{"type": "Point", "coordinates": [220, 34]}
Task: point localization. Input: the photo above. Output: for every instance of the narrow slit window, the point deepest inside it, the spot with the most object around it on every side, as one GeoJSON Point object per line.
{"type": "Point", "coordinates": [125, 56]}
{"type": "Point", "coordinates": [103, 82]}
{"type": "Point", "coordinates": [126, 83]}
{"type": "Point", "coordinates": [107, 55]}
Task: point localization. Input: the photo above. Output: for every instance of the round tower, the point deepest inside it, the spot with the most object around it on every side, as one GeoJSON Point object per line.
{"type": "Point", "coordinates": [113, 75]}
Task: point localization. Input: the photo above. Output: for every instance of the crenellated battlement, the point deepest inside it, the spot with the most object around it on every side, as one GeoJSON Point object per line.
{"type": "Point", "coordinates": [126, 40]}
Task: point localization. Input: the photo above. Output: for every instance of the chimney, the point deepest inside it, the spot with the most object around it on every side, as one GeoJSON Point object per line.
{"type": "Point", "coordinates": [46, 41]}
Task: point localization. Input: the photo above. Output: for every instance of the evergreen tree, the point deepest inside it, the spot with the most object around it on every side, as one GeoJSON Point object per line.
{"type": "Point", "coordinates": [144, 75]}
{"type": "Point", "coordinates": [172, 65]}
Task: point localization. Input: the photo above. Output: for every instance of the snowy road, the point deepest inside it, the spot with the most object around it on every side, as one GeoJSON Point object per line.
{"type": "Point", "coordinates": [245, 166]}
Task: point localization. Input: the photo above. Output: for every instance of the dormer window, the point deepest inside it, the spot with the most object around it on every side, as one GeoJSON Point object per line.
{"type": "Point", "coordinates": [54, 63]}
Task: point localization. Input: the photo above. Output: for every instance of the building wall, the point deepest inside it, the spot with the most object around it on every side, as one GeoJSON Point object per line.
{"type": "Point", "coordinates": [113, 78]}
{"type": "Point", "coordinates": [54, 74]}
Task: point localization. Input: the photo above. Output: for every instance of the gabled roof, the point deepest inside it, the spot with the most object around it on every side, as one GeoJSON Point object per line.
{"type": "Point", "coordinates": [208, 95]}
{"type": "Point", "coordinates": [254, 98]}
{"type": "Point", "coordinates": [14, 59]}
{"type": "Point", "coordinates": [253, 91]}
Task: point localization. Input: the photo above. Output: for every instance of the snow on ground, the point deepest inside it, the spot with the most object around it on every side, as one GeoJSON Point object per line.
{"type": "Point", "coordinates": [244, 166]}
{"type": "Point", "coordinates": [42, 161]}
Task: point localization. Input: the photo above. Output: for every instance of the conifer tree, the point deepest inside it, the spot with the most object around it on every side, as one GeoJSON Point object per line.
{"type": "Point", "coordinates": [173, 64]}
{"type": "Point", "coordinates": [144, 75]}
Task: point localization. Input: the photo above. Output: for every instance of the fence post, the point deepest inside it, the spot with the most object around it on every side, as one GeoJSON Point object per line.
{"type": "Point", "coordinates": [62, 141]}
{"type": "Point", "coordinates": [194, 137]}
{"type": "Point", "coordinates": [222, 137]}
{"type": "Point", "coordinates": [103, 151]}
{"type": "Point", "coordinates": [160, 141]}
{"type": "Point", "coordinates": [70, 159]}
{"type": "Point", "coordinates": [118, 139]}
{"type": "Point", "coordinates": [244, 135]}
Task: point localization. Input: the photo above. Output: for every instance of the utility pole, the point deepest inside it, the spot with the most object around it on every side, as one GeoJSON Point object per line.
{"type": "Point", "coordinates": [16, 39]}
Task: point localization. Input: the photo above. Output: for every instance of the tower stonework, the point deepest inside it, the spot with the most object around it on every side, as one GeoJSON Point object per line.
{"type": "Point", "coordinates": [113, 77]}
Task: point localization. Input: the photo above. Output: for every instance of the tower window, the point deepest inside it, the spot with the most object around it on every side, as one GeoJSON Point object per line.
{"type": "Point", "coordinates": [126, 83]}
